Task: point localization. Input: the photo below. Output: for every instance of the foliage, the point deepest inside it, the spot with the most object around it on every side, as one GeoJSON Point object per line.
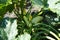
{"type": "Point", "coordinates": [54, 6]}
{"type": "Point", "coordinates": [40, 21]}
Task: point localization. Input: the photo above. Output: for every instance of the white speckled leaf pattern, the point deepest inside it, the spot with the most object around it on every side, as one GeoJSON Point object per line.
{"type": "Point", "coordinates": [11, 29]}
{"type": "Point", "coordinates": [24, 36]}
{"type": "Point", "coordinates": [54, 6]}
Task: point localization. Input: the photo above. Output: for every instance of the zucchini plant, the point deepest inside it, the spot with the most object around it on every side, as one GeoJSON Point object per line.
{"type": "Point", "coordinates": [30, 20]}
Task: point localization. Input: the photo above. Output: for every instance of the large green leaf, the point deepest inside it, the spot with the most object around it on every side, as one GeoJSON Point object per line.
{"type": "Point", "coordinates": [3, 6]}
{"type": "Point", "coordinates": [5, 3]}
{"type": "Point", "coordinates": [37, 19]}
{"type": "Point", "coordinates": [40, 3]}
{"type": "Point", "coordinates": [3, 35]}
{"type": "Point", "coordinates": [26, 20]}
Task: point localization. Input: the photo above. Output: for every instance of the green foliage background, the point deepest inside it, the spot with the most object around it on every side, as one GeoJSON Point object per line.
{"type": "Point", "coordinates": [36, 19]}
